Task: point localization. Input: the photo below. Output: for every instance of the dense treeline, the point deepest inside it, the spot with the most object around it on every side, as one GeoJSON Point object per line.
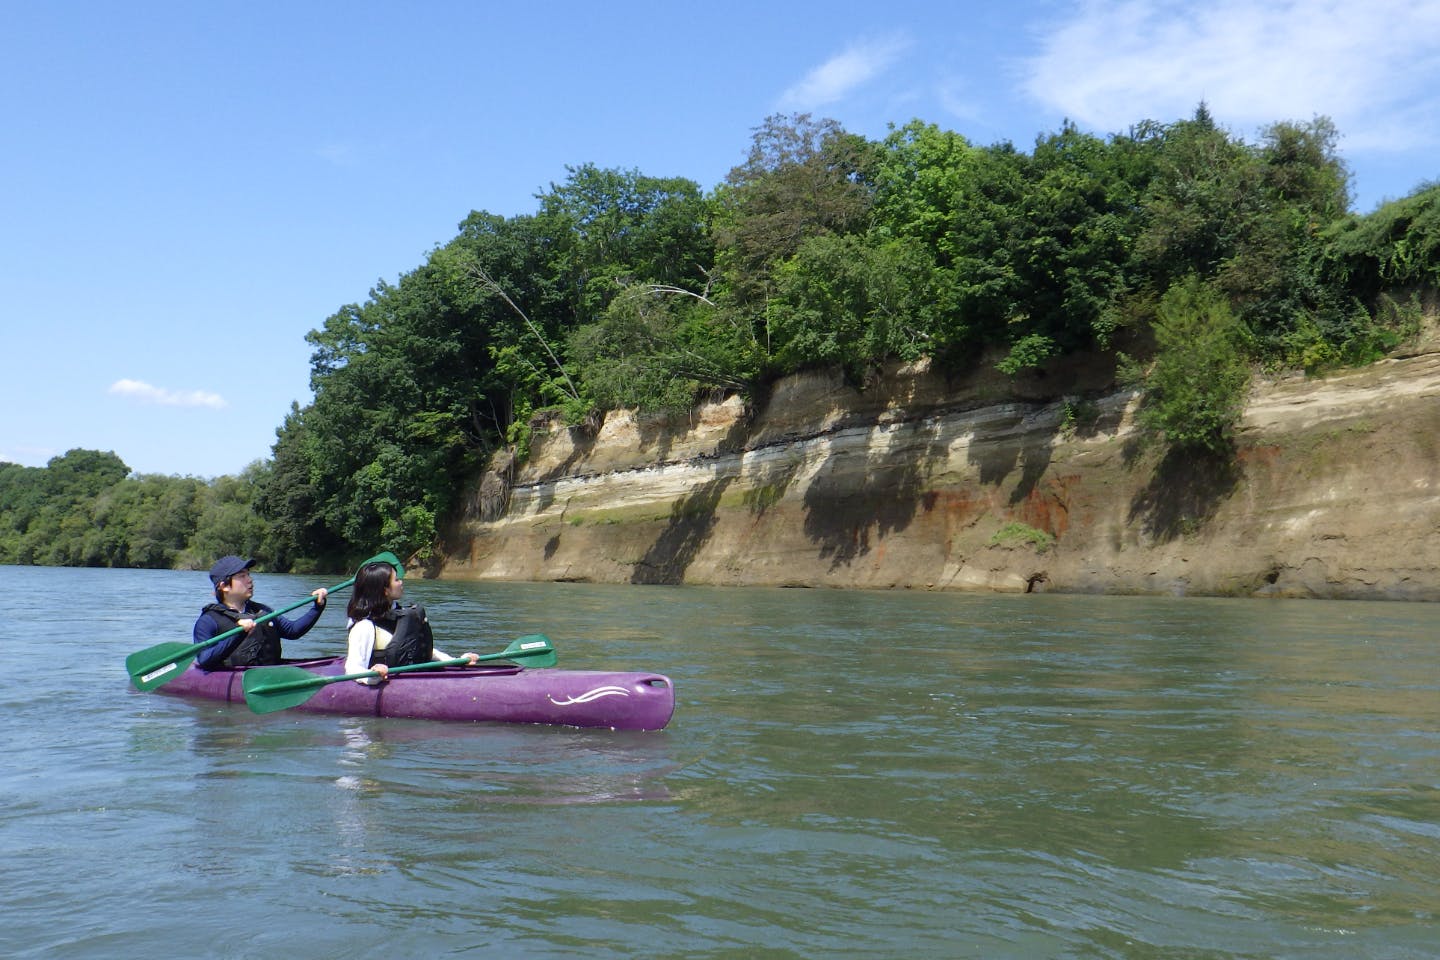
{"type": "Point", "coordinates": [84, 509]}
{"type": "Point", "coordinates": [1192, 252]}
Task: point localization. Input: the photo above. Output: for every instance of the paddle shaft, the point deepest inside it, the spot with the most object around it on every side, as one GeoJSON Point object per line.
{"type": "Point", "coordinates": [284, 685]}
{"type": "Point", "coordinates": [507, 654]}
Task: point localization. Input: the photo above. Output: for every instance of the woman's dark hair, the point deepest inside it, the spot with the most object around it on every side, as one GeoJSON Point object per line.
{"type": "Point", "coordinates": [369, 600]}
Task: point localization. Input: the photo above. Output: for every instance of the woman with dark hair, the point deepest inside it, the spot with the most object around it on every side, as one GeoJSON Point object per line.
{"type": "Point", "coordinates": [384, 634]}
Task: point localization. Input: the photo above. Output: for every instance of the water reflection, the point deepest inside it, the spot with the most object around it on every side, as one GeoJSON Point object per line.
{"type": "Point", "coordinates": [491, 762]}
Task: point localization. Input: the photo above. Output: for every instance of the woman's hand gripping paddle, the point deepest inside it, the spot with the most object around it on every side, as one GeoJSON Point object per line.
{"type": "Point", "coordinates": [153, 666]}
{"type": "Point", "coordinates": [268, 689]}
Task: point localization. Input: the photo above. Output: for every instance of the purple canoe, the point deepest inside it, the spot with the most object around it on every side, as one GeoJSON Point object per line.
{"type": "Point", "coordinates": [504, 693]}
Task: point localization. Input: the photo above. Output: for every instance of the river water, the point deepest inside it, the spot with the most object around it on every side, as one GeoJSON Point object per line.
{"type": "Point", "coordinates": [848, 774]}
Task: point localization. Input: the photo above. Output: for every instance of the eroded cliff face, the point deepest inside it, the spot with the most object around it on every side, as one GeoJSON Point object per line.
{"type": "Point", "coordinates": [987, 484]}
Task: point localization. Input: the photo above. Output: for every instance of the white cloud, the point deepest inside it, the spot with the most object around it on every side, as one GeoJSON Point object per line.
{"type": "Point", "coordinates": [1373, 68]}
{"type": "Point", "coordinates": [145, 393]}
{"type": "Point", "coordinates": [835, 78]}
{"type": "Point", "coordinates": [957, 99]}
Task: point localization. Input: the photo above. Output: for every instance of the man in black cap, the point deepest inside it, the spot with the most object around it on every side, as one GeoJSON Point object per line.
{"type": "Point", "coordinates": [258, 644]}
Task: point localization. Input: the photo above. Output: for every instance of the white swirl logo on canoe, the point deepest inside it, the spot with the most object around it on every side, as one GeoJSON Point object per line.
{"type": "Point", "coordinates": [609, 690]}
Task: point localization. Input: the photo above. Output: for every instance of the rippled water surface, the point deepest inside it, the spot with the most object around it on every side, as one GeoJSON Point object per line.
{"type": "Point", "coordinates": [847, 775]}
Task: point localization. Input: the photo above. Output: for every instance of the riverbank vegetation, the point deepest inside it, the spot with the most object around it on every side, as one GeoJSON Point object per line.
{"type": "Point", "coordinates": [86, 509]}
{"type": "Point", "coordinates": [1195, 254]}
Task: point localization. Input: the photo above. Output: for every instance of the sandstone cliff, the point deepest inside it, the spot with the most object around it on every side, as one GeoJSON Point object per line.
{"type": "Point", "coordinates": [985, 484]}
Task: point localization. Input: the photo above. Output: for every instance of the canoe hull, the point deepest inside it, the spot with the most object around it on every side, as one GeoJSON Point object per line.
{"type": "Point", "coordinates": [497, 694]}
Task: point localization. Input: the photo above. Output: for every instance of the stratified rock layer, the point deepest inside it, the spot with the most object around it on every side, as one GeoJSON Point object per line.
{"type": "Point", "coordinates": [987, 484]}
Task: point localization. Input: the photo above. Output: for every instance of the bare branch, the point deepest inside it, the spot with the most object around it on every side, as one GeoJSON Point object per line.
{"type": "Point", "coordinates": [658, 288]}
{"type": "Point", "coordinates": [478, 272]}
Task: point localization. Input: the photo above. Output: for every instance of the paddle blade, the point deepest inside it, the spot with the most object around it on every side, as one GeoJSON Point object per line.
{"type": "Point", "coordinates": [268, 689]}
{"type": "Point", "coordinates": [151, 667]}
{"type": "Point", "coordinates": [385, 556]}
{"type": "Point", "coordinates": [533, 650]}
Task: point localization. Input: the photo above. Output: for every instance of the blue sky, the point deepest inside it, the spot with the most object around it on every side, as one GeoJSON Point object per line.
{"type": "Point", "coordinates": [191, 187]}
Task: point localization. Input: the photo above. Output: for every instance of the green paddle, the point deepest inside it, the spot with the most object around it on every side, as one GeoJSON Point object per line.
{"type": "Point", "coordinates": [268, 689]}
{"type": "Point", "coordinates": [153, 666]}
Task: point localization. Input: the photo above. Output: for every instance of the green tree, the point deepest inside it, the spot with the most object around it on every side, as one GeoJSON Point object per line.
{"type": "Point", "coordinates": [22, 498]}
{"type": "Point", "coordinates": [1196, 386]}
{"type": "Point", "coordinates": [517, 309]}
{"type": "Point", "coordinates": [82, 473]}
{"type": "Point", "coordinates": [802, 178]}
{"type": "Point", "coordinates": [290, 497]}
{"type": "Point", "coordinates": [1030, 252]}
{"type": "Point", "coordinates": [1195, 203]}
{"type": "Point", "coordinates": [85, 509]}
{"type": "Point", "coordinates": [609, 229]}
{"type": "Point", "coordinates": [144, 521]}
{"type": "Point", "coordinates": [660, 348]}
{"type": "Point", "coordinates": [842, 300]}
{"type": "Point", "coordinates": [1303, 168]}
{"type": "Point", "coordinates": [1068, 242]}
{"type": "Point", "coordinates": [45, 510]}
{"type": "Point", "coordinates": [949, 202]}
{"type": "Point", "coordinates": [923, 176]}
{"type": "Point", "coordinates": [389, 427]}
{"type": "Point", "coordinates": [227, 522]}
{"type": "Point", "coordinates": [1251, 219]}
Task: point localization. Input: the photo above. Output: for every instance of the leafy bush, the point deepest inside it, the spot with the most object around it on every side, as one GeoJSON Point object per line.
{"type": "Point", "coordinates": [844, 301]}
{"type": "Point", "coordinates": [1016, 532]}
{"type": "Point", "coordinates": [1195, 389]}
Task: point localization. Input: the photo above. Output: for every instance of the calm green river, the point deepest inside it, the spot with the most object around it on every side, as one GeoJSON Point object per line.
{"type": "Point", "coordinates": [848, 774]}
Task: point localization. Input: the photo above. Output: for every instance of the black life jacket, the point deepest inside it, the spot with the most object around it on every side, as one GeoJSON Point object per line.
{"type": "Point", "coordinates": [412, 640]}
{"type": "Point", "coordinates": [260, 647]}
